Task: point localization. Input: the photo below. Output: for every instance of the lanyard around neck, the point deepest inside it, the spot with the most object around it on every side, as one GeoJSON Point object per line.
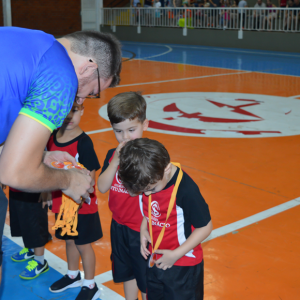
{"type": "Point", "coordinates": [171, 204]}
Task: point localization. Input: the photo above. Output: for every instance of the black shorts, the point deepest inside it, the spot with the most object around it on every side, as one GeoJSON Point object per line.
{"type": "Point", "coordinates": [3, 209]}
{"type": "Point", "coordinates": [28, 218]}
{"type": "Point", "coordinates": [176, 283]}
{"type": "Point", "coordinates": [127, 261]}
{"type": "Point", "coordinates": [88, 227]}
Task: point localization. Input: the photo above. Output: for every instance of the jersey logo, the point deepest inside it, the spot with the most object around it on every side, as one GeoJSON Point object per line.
{"type": "Point", "coordinates": [155, 209]}
{"type": "Point", "coordinates": [117, 178]}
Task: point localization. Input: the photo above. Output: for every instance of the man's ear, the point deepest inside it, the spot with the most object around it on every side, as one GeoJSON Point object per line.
{"type": "Point", "coordinates": [87, 68]}
{"type": "Point", "coordinates": [145, 124]}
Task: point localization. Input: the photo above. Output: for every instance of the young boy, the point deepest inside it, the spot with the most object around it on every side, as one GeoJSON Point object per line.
{"type": "Point", "coordinates": [72, 139]}
{"type": "Point", "coordinates": [127, 115]}
{"type": "Point", "coordinates": [29, 219]}
{"type": "Point", "coordinates": [178, 222]}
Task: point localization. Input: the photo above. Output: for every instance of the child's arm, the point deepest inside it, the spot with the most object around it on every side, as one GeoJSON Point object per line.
{"type": "Point", "coordinates": [144, 238]}
{"type": "Point", "coordinates": [171, 256]}
{"type": "Point", "coordinates": [106, 178]}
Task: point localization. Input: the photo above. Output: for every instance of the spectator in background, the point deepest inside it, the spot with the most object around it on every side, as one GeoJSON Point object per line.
{"type": "Point", "coordinates": [282, 3]}
{"type": "Point", "coordinates": [296, 13]}
{"type": "Point", "coordinates": [242, 4]}
{"type": "Point", "coordinates": [134, 3]}
{"type": "Point", "coordinates": [258, 15]}
{"type": "Point", "coordinates": [148, 12]}
{"type": "Point", "coordinates": [288, 15]}
{"type": "Point", "coordinates": [233, 14]}
{"type": "Point", "coordinates": [138, 13]}
{"type": "Point", "coordinates": [272, 14]}
{"type": "Point", "coordinates": [157, 12]}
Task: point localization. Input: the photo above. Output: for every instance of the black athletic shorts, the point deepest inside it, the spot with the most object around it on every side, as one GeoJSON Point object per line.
{"type": "Point", "coordinates": [127, 261]}
{"type": "Point", "coordinates": [3, 209]}
{"type": "Point", "coordinates": [176, 283]}
{"type": "Point", "coordinates": [88, 227]}
{"type": "Point", "coordinates": [28, 218]}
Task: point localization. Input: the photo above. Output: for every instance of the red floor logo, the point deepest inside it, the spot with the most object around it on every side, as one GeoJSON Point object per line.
{"type": "Point", "coordinates": [222, 114]}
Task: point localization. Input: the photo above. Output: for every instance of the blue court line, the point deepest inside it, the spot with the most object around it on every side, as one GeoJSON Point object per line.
{"type": "Point", "coordinates": [271, 62]}
{"type": "Point", "coordinates": [15, 288]}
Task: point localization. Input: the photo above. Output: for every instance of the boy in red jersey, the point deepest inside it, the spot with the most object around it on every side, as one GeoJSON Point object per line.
{"type": "Point", "coordinates": [72, 139]}
{"type": "Point", "coordinates": [178, 222]}
{"type": "Point", "coordinates": [127, 115]}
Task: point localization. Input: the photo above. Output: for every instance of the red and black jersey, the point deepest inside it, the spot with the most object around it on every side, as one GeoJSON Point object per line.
{"type": "Point", "coordinates": [82, 149]}
{"type": "Point", "coordinates": [126, 210]}
{"type": "Point", "coordinates": [190, 211]}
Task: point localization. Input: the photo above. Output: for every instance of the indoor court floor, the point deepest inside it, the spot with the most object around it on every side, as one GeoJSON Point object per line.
{"type": "Point", "coordinates": [231, 117]}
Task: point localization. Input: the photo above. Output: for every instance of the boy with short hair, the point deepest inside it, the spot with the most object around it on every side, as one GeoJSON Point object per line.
{"type": "Point", "coordinates": [72, 139]}
{"type": "Point", "coordinates": [178, 222]}
{"type": "Point", "coordinates": [127, 115]}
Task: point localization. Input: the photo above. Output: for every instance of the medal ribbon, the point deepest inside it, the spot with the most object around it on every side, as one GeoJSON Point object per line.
{"type": "Point", "coordinates": [171, 204]}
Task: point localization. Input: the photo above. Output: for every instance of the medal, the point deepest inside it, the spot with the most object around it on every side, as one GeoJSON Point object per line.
{"type": "Point", "coordinates": [153, 257]}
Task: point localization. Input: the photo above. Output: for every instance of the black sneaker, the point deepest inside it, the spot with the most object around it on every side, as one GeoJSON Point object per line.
{"type": "Point", "coordinates": [88, 294]}
{"type": "Point", "coordinates": [65, 283]}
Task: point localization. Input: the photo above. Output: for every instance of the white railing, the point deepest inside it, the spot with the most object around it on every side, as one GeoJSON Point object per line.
{"type": "Point", "coordinates": [268, 19]}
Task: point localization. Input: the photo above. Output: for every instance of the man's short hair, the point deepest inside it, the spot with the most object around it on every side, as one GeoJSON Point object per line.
{"type": "Point", "coordinates": [128, 105]}
{"type": "Point", "coordinates": [103, 48]}
{"type": "Point", "coordinates": [142, 162]}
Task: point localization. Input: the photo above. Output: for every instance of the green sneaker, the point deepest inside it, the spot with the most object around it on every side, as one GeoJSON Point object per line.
{"type": "Point", "coordinates": [23, 255]}
{"type": "Point", "coordinates": [34, 269]}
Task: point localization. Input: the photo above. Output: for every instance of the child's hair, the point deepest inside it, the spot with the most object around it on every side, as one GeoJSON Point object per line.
{"type": "Point", "coordinates": [138, 4]}
{"type": "Point", "coordinates": [142, 162]}
{"type": "Point", "coordinates": [129, 105]}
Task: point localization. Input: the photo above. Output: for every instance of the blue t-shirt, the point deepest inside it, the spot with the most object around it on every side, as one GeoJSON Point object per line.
{"type": "Point", "coordinates": [37, 79]}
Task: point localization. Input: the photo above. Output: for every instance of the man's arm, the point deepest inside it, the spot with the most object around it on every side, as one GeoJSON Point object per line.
{"type": "Point", "coordinates": [21, 164]}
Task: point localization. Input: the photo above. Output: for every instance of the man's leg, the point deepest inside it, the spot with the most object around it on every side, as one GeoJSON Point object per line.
{"type": "Point", "coordinates": [3, 209]}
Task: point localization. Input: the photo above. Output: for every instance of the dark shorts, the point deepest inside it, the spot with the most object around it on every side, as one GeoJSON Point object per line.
{"type": "Point", "coordinates": [127, 261]}
{"type": "Point", "coordinates": [28, 218]}
{"type": "Point", "coordinates": [3, 209]}
{"type": "Point", "coordinates": [88, 227]}
{"type": "Point", "coordinates": [176, 283]}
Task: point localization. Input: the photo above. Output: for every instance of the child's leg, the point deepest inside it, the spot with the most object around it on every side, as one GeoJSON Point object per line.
{"type": "Point", "coordinates": [73, 256]}
{"type": "Point", "coordinates": [131, 290]}
{"type": "Point", "coordinates": [39, 254]}
{"type": "Point", "coordinates": [88, 260]}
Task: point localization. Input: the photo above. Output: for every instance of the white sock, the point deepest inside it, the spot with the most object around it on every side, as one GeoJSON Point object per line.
{"type": "Point", "coordinates": [72, 274]}
{"type": "Point", "coordinates": [40, 259]}
{"type": "Point", "coordinates": [89, 283]}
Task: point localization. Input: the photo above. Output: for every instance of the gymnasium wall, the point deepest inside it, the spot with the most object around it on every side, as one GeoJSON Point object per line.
{"type": "Point", "coordinates": [57, 17]}
{"type": "Point", "coordinates": [271, 41]}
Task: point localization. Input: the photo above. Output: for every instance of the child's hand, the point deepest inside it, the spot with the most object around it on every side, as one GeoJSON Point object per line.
{"type": "Point", "coordinates": [116, 157]}
{"type": "Point", "coordinates": [145, 238]}
{"type": "Point", "coordinates": [167, 260]}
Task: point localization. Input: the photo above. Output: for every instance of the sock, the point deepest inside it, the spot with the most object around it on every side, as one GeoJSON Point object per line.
{"type": "Point", "coordinates": [72, 274]}
{"type": "Point", "coordinates": [40, 259]}
{"type": "Point", "coordinates": [89, 283]}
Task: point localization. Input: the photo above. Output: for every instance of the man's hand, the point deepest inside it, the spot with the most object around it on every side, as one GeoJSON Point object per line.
{"type": "Point", "coordinates": [50, 156]}
{"type": "Point", "coordinates": [81, 185]}
{"type": "Point", "coordinates": [167, 260]}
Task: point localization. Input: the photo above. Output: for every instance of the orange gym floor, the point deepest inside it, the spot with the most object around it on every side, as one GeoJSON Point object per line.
{"type": "Point", "coordinates": [239, 174]}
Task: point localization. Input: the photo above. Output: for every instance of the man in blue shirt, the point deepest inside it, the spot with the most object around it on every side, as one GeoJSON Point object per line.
{"type": "Point", "coordinates": [39, 80]}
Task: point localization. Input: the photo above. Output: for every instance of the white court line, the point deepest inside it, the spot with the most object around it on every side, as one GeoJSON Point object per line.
{"type": "Point", "coordinates": [180, 79]}
{"type": "Point", "coordinates": [217, 49]}
{"type": "Point", "coordinates": [166, 52]}
{"type": "Point", "coordinates": [100, 130]}
{"type": "Point", "coordinates": [253, 219]}
{"type": "Point", "coordinates": [61, 266]}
